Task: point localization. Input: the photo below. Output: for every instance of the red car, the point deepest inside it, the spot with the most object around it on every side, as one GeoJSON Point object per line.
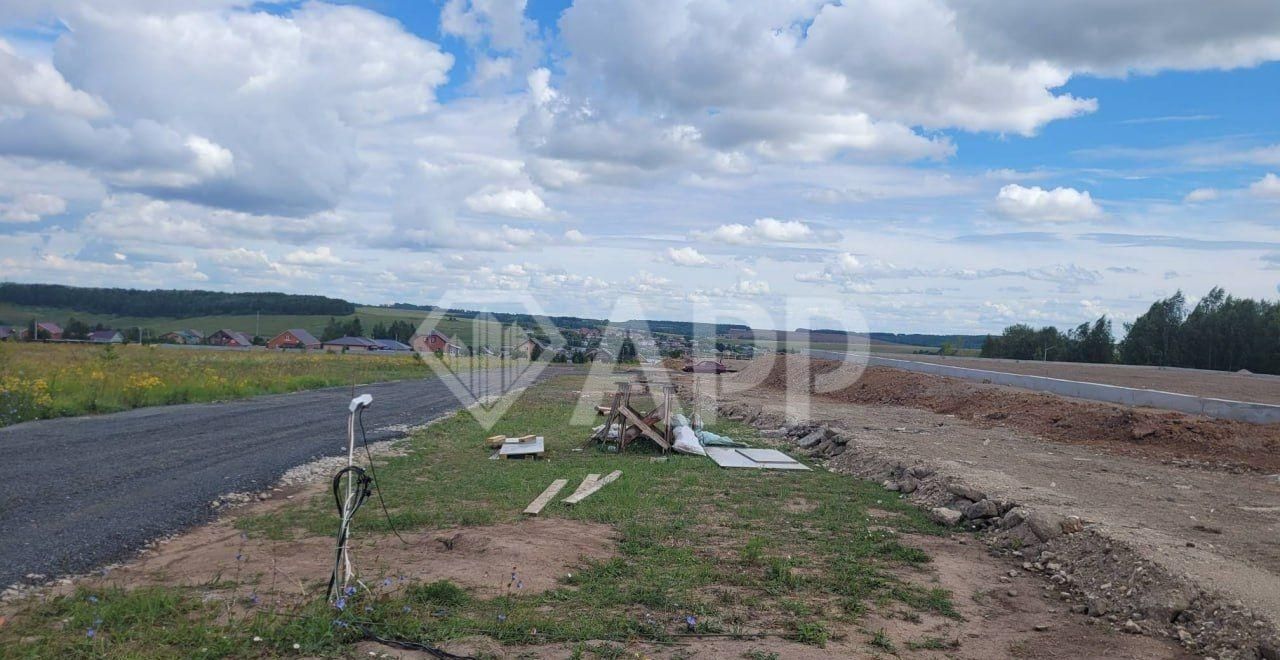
{"type": "Point", "coordinates": [706, 367]}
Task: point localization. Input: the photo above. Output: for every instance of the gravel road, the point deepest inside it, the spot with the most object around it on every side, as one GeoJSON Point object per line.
{"type": "Point", "coordinates": [80, 492]}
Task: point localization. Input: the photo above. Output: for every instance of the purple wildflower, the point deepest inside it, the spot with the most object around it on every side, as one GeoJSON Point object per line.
{"type": "Point", "coordinates": [341, 603]}
{"type": "Point", "coordinates": [91, 633]}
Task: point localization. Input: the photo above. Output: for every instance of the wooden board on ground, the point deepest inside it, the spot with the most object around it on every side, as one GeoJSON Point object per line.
{"type": "Point", "coordinates": [583, 493]}
{"type": "Point", "coordinates": [521, 449]}
{"type": "Point", "coordinates": [586, 483]}
{"type": "Point", "coordinates": [761, 459]}
{"type": "Point", "coordinates": [496, 441]}
{"type": "Point", "coordinates": [535, 507]}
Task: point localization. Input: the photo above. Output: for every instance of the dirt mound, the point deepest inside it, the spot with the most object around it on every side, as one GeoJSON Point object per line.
{"type": "Point", "coordinates": [1131, 431]}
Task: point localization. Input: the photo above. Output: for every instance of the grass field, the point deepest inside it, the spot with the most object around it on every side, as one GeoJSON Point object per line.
{"type": "Point", "coordinates": [877, 347]}
{"type": "Point", "coordinates": [716, 552]}
{"type": "Point", "coordinates": [267, 325]}
{"type": "Point", "coordinates": [39, 381]}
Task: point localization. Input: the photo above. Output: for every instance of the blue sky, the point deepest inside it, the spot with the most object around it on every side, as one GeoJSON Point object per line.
{"type": "Point", "coordinates": [902, 165]}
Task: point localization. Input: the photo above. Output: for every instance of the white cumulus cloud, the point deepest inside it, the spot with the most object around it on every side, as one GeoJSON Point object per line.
{"type": "Point", "coordinates": [763, 230]}
{"type": "Point", "coordinates": [1201, 195]}
{"type": "Point", "coordinates": [1035, 204]}
{"type": "Point", "coordinates": [1268, 187]}
{"type": "Point", "coordinates": [31, 207]}
{"type": "Point", "coordinates": [687, 256]}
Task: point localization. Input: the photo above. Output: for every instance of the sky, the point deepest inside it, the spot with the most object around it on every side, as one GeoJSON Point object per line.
{"type": "Point", "coordinates": [942, 166]}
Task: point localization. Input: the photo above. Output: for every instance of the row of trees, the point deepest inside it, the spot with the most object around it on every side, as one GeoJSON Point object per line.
{"type": "Point", "coordinates": [1221, 332]}
{"type": "Point", "coordinates": [168, 302]}
{"type": "Point", "coordinates": [400, 331]}
{"type": "Point", "coordinates": [1084, 343]}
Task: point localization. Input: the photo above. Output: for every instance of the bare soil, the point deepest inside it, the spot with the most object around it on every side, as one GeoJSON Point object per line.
{"type": "Point", "coordinates": [992, 624]}
{"type": "Point", "coordinates": [1258, 388]}
{"type": "Point", "coordinates": [1216, 528]}
{"type": "Point", "coordinates": [1135, 432]}
{"type": "Point", "coordinates": [283, 573]}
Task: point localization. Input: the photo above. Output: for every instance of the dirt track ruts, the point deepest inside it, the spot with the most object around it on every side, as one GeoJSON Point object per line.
{"type": "Point", "coordinates": [80, 492]}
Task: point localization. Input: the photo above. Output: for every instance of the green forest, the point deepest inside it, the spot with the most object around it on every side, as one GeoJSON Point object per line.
{"type": "Point", "coordinates": [169, 302]}
{"type": "Point", "coordinates": [1220, 332]}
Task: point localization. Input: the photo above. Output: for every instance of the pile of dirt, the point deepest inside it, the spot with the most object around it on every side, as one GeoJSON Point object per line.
{"type": "Point", "coordinates": [1131, 431]}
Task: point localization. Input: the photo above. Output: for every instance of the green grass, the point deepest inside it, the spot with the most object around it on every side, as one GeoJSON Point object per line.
{"type": "Point", "coordinates": [40, 381]}
{"type": "Point", "coordinates": [695, 540]}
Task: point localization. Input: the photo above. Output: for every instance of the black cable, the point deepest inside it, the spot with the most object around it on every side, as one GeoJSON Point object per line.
{"type": "Point", "coordinates": [377, 486]}
{"type": "Point", "coordinates": [411, 646]}
{"type": "Point", "coordinates": [361, 492]}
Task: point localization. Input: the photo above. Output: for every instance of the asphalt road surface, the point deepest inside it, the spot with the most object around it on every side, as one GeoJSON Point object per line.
{"type": "Point", "coordinates": [79, 492]}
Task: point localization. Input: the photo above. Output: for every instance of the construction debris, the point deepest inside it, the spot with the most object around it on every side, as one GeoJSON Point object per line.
{"type": "Point", "coordinates": [623, 423]}
{"type": "Point", "coordinates": [765, 459]}
{"type": "Point", "coordinates": [520, 448]}
{"type": "Point", "coordinates": [590, 485]}
{"type": "Point", "coordinates": [535, 507]}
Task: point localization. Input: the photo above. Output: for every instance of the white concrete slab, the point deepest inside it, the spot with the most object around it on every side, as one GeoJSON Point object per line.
{"type": "Point", "coordinates": [769, 459]}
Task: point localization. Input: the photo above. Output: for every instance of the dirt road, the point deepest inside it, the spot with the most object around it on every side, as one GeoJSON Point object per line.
{"type": "Point", "coordinates": [1257, 388]}
{"type": "Point", "coordinates": [79, 492]}
{"type": "Point", "coordinates": [1217, 528]}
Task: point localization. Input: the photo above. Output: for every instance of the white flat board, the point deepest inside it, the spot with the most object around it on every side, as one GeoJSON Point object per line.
{"type": "Point", "coordinates": [521, 448]}
{"type": "Point", "coordinates": [731, 457]}
{"type": "Point", "coordinates": [765, 455]}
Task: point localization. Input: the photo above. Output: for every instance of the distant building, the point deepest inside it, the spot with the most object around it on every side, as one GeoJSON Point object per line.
{"type": "Point", "coordinates": [599, 355]}
{"type": "Point", "coordinates": [295, 338]}
{"type": "Point", "coordinates": [106, 337]}
{"type": "Point", "coordinates": [528, 347]}
{"type": "Point", "coordinates": [436, 341]}
{"type": "Point", "coordinates": [188, 336]}
{"type": "Point", "coordinates": [233, 338]}
{"type": "Point", "coordinates": [9, 333]}
{"type": "Point", "coordinates": [392, 345]}
{"type": "Point", "coordinates": [345, 344]}
{"type": "Point", "coordinates": [46, 330]}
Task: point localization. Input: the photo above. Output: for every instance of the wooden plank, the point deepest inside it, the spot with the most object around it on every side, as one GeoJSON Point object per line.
{"type": "Point", "coordinates": [535, 507]}
{"type": "Point", "coordinates": [581, 494]}
{"type": "Point", "coordinates": [645, 428]}
{"type": "Point", "coordinates": [496, 440]}
{"type": "Point", "coordinates": [586, 483]}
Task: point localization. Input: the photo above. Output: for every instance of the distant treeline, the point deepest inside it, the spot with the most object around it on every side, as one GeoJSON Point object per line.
{"type": "Point", "coordinates": [932, 341]}
{"type": "Point", "coordinates": [169, 302]}
{"type": "Point", "coordinates": [1221, 332]}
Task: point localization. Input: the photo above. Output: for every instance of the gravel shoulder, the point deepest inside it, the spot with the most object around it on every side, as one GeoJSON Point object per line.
{"type": "Point", "coordinates": [84, 491]}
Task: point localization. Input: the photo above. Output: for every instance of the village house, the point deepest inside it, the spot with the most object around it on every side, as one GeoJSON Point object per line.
{"type": "Point", "coordinates": [44, 330]}
{"type": "Point", "coordinates": [599, 355]}
{"type": "Point", "coordinates": [106, 337]}
{"type": "Point", "coordinates": [232, 338]}
{"type": "Point", "coordinates": [392, 345]}
{"type": "Point", "coordinates": [8, 332]}
{"type": "Point", "coordinates": [296, 338]}
{"type": "Point", "coordinates": [350, 344]}
{"type": "Point", "coordinates": [437, 341]}
{"type": "Point", "coordinates": [188, 336]}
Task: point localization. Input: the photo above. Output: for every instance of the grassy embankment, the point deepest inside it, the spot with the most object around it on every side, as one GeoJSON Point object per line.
{"type": "Point", "coordinates": [796, 555]}
{"type": "Point", "coordinates": [39, 381]}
